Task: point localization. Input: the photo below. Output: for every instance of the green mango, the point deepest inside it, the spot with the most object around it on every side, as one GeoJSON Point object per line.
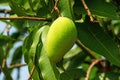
{"type": "Point", "coordinates": [60, 38]}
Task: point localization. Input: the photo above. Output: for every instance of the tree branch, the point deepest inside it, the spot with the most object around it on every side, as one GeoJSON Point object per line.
{"type": "Point", "coordinates": [85, 49]}
{"type": "Point", "coordinates": [16, 66]}
{"type": "Point", "coordinates": [31, 73]}
{"type": "Point", "coordinates": [91, 66]}
{"type": "Point", "coordinates": [7, 47]}
{"type": "Point", "coordinates": [88, 11]}
{"type": "Point", "coordinates": [4, 11]}
{"type": "Point", "coordinates": [5, 56]}
{"type": "Point", "coordinates": [56, 8]}
{"type": "Point", "coordinates": [26, 18]}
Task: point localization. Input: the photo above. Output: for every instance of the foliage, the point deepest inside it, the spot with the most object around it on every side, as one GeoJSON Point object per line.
{"type": "Point", "coordinates": [97, 40]}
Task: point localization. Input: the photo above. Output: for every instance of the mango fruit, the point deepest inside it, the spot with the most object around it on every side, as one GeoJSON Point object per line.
{"type": "Point", "coordinates": [60, 38]}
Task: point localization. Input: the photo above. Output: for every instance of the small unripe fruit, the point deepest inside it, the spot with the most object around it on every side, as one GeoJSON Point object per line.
{"type": "Point", "coordinates": [60, 38]}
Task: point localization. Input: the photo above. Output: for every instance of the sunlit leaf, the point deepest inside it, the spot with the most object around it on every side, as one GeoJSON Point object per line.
{"type": "Point", "coordinates": [66, 8]}
{"type": "Point", "coordinates": [36, 40]}
{"type": "Point", "coordinates": [48, 69]}
{"type": "Point", "coordinates": [31, 43]}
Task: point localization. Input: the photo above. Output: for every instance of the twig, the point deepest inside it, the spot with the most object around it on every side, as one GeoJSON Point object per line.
{"type": "Point", "coordinates": [5, 56]}
{"type": "Point", "coordinates": [4, 11]}
{"type": "Point", "coordinates": [16, 66]}
{"type": "Point", "coordinates": [7, 46]}
{"type": "Point", "coordinates": [3, 63]}
{"type": "Point", "coordinates": [31, 73]}
{"type": "Point", "coordinates": [91, 66]}
{"type": "Point", "coordinates": [25, 18]}
{"type": "Point", "coordinates": [85, 49]}
{"type": "Point", "coordinates": [88, 11]}
{"type": "Point", "coordinates": [56, 8]}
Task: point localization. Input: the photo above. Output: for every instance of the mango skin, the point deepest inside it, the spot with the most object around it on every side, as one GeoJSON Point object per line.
{"type": "Point", "coordinates": [60, 38]}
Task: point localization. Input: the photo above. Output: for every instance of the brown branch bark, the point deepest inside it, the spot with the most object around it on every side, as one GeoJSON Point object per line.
{"type": "Point", "coordinates": [7, 48]}
{"type": "Point", "coordinates": [31, 73]}
{"type": "Point", "coordinates": [56, 8]}
{"type": "Point", "coordinates": [16, 66]}
{"type": "Point", "coordinates": [25, 18]}
{"type": "Point", "coordinates": [91, 66]}
{"type": "Point", "coordinates": [88, 11]}
{"type": "Point", "coordinates": [5, 57]}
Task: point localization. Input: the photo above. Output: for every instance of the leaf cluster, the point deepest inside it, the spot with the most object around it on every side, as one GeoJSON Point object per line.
{"type": "Point", "coordinates": [99, 40]}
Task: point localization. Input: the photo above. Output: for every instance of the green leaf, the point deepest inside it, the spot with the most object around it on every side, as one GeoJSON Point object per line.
{"type": "Point", "coordinates": [44, 33]}
{"type": "Point", "coordinates": [16, 35]}
{"type": "Point", "coordinates": [27, 44]}
{"type": "Point", "coordinates": [17, 55]}
{"type": "Point", "coordinates": [73, 74]}
{"type": "Point", "coordinates": [31, 24]}
{"type": "Point", "coordinates": [19, 24]}
{"type": "Point", "coordinates": [36, 4]}
{"type": "Point", "coordinates": [7, 73]}
{"type": "Point", "coordinates": [35, 64]}
{"type": "Point", "coordinates": [108, 76]}
{"type": "Point", "coordinates": [43, 7]}
{"type": "Point", "coordinates": [35, 75]}
{"type": "Point", "coordinates": [94, 37]}
{"type": "Point", "coordinates": [1, 55]}
{"type": "Point", "coordinates": [97, 7]}
{"type": "Point", "coordinates": [36, 40]}
{"type": "Point", "coordinates": [76, 60]}
{"type": "Point", "coordinates": [17, 8]}
{"type": "Point", "coordinates": [93, 71]}
{"type": "Point", "coordinates": [48, 69]}
{"type": "Point", "coordinates": [30, 44]}
{"type": "Point", "coordinates": [66, 8]}
{"type": "Point", "coordinates": [5, 39]}
{"type": "Point", "coordinates": [24, 4]}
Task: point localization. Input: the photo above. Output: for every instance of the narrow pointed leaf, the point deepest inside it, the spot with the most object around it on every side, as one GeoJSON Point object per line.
{"type": "Point", "coordinates": [36, 40]}
{"type": "Point", "coordinates": [27, 44]}
{"type": "Point", "coordinates": [48, 69]}
{"type": "Point", "coordinates": [17, 55]}
{"type": "Point", "coordinates": [93, 37]}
